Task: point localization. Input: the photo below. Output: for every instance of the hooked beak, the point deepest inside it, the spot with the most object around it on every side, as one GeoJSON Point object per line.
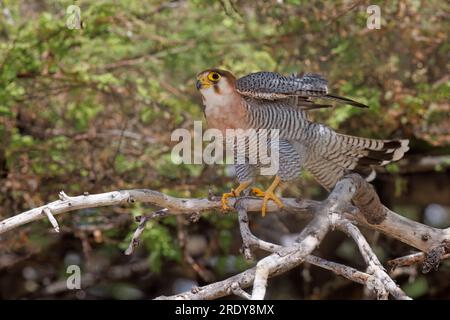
{"type": "Point", "coordinates": [198, 84]}
{"type": "Point", "coordinates": [202, 82]}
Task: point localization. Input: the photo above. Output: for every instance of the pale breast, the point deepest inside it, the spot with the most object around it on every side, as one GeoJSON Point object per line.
{"type": "Point", "coordinates": [225, 113]}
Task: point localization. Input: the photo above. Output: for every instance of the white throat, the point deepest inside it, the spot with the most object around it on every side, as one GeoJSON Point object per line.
{"type": "Point", "coordinates": [219, 99]}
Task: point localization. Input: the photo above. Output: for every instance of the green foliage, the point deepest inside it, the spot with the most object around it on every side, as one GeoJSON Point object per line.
{"type": "Point", "coordinates": [160, 244]}
{"type": "Point", "coordinates": [417, 288]}
{"type": "Point", "coordinates": [124, 291]}
{"type": "Point", "coordinates": [392, 168]}
{"type": "Point", "coordinates": [122, 164]}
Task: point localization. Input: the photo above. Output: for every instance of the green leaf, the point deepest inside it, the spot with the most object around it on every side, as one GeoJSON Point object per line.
{"type": "Point", "coordinates": [417, 288]}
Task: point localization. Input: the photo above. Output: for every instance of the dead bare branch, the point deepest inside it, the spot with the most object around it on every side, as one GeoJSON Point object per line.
{"type": "Point", "coordinates": [352, 203]}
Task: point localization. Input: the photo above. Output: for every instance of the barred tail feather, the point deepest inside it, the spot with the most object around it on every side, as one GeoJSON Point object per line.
{"type": "Point", "coordinates": [328, 162]}
{"type": "Point", "coordinates": [385, 151]}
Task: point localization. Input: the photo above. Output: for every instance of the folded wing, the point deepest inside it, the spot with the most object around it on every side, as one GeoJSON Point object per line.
{"type": "Point", "coordinates": [274, 86]}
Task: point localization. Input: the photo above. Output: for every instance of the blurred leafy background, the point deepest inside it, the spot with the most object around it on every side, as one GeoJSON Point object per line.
{"type": "Point", "coordinates": [92, 110]}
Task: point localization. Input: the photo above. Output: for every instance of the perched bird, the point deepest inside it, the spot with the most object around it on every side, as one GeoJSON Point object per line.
{"type": "Point", "coordinates": [267, 100]}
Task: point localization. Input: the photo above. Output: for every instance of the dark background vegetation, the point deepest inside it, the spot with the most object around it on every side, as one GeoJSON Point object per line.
{"type": "Point", "coordinates": [92, 110]}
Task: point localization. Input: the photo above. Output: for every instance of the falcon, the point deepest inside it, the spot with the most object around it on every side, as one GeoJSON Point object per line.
{"type": "Point", "coordinates": [268, 100]}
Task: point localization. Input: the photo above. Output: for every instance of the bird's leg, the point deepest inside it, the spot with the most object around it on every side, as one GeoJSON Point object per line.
{"type": "Point", "coordinates": [234, 193]}
{"type": "Point", "coordinates": [269, 195]}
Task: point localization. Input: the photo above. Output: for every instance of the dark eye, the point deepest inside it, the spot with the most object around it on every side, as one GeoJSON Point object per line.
{"type": "Point", "coordinates": [214, 76]}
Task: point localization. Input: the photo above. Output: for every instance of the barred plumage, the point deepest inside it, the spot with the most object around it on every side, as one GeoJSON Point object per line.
{"type": "Point", "coordinates": [274, 86]}
{"type": "Point", "coordinates": [267, 100]}
{"type": "Point", "coordinates": [289, 160]}
{"type": "Point", "coordinates": [325, 153]}
{"type": "Point", "coordinates": [271, 85]}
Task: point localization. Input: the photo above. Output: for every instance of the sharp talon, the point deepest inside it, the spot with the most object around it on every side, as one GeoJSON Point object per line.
{"type": "Point", "coordinates": [234, 194]}
{"type": "Point", "coordinates": [225, 197]}
{"type": "Point", "coordinates": [267, 196]}
{"type": "Point", "coordinates": [270, 196]}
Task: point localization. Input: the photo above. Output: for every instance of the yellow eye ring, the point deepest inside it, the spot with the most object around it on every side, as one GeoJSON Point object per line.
{"type": "Point", "coordinates": [214, 76]}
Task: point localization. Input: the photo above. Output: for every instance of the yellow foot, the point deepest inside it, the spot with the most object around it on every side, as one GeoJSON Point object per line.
{"type": "Point", "coordinates": [225, 197]}
{"type": "Point", "coordinates": [234, 194]}
{"type": "Point", "coordinates": [268, 195]}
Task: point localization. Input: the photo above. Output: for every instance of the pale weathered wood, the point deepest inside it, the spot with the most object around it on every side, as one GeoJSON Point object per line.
{"type": "Point", "coordinates": [353, 202]}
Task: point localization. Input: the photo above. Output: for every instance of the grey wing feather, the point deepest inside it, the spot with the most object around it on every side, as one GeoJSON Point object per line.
{"type": "Point", "coordinates": [315, 83]}
{"type": "Point", "coordinates": [307, 103]}
{"type": "Point", "coordinates": [274, 86]}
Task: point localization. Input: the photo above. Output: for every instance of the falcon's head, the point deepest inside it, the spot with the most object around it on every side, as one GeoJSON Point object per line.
{"type": "Point", "coordinates": [214, 82]}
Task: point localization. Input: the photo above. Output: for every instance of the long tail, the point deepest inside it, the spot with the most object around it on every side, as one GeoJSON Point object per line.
{"type": "Point", "coordinates": [329, 160]}
{"type": "Point", "coordinates": [345, 100]}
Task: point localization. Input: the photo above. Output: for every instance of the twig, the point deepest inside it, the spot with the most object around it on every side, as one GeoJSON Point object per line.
{"type": "Point", "coordinates": [410, 271]}
{"type": "Point", "coordinates": [137, 234]}
{"type": "Point", "coordinates": [141, 227]}
{"type": "Point", "coordinates": [381, 282]}
{"type": "Point", "coordinates": [182, 242]}
{"type": "Point", "coordinates": [409, 260]}
{"type": "Point", "coordinates": [51, 218]}
{"type": "Point", "coordinates": [331, 20]}
{"type": "Point", "coordinates": [339, 269]}
{"type": "Point", "coordinates": [237, 290]}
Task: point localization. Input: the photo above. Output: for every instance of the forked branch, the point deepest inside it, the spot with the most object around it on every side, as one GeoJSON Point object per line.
{"type": "Point", "coordinates": [353, 202]}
